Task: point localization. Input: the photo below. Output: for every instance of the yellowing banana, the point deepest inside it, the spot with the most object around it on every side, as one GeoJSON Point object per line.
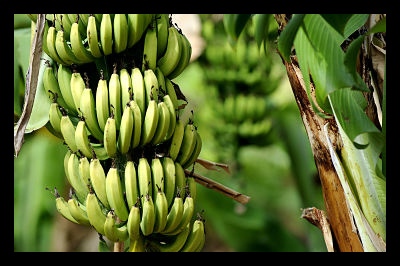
{"type": "Point", "coordinates": [78, 211]}
{"type": "Point", "coordinates": [120, 32]}
{"type": "Point", "coordinates": [95, 214]}
{"type": "Point", "coordinates": [110, 137]}
{"type": "Point", "coordinates": [98, 181]}
{"type": "Point", "coordinates": [106, 33]}
{"type": "Point", "coordinates": [102, 102]}
{"type": "Point", "coordinates": [68, 132]}
{"type": "Point", "coordinates": [82, 140]}
{"type": "Point", "coordinates": [93, 37]}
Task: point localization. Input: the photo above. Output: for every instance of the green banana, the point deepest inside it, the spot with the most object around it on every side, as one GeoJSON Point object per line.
{"type": "Point", "coordinates": [131, 184]}
{"type": "Point", "coordinates": [114, 92]}
{"type": "Point", "coordinates": [172, 54]}
{"type": "Point", "coordinates": [192, 186]}
{"type": "Point", "coordinates": [68, 132]}
{"type": "Point", "coordinates": [180, 179]}
{"type": "Point", "coordinates": [77, 86]}
{"type": "Point", "coordinates": [151, 86]}
{"type": "Point", "coordinates": [62, 207]}
{"type": "Point", "coordinates": [84, 170]}
{"type": "Point", "coordinates": [78, 211]}
{"type": "Point", "coordinates": [163, 123]}
{"type": "Point", "coordinates": [137, 24]}
{"type": "Point", "coordinates": [77, 18]}
{"type": "Point", "coordinates": [201, 244]}
{"type": "Point", "coordinates": [148, 216]}
{"type": "Point", "coordinates": [83, 54]}
{"type": "Point", "coordinates": [98, 180]}
{"type": "Point", "coordinates": [66, 24]}
{"type": "Point", "coordinates": [170, 179]}
{"type": "Point", "coordinates": [150, 123]}
{"type": "Point", "coordinates": [51, 45]}
{"type": "Point", "coordinates": [102, 102]}
{"type": "Point", "coordinates": [161, 210]}
{"type": "Point", "coordinates": [171, 92]}
{"type": "Point", "coordinates": [144, 179]}
{"type": "Point", "coordinates": [172, 115]}
{"type": "Point", "coordinates": [188, 210]}
{"type": "Point", "coordinates": [133, 224]}
{"type": "Point", "coordinates": [150, 49]}
{"type": "Point", "coordinates": [185, 57]}
{"type": "Point", "coordinates": [55, 116]}
{"type": "Point", "coordinates": [82, 139]}
{"type": "Point", "coordinates": [112, 231]}
{"type": "Point", "coordinates": [64, 50]}
{"type": "Point", "coordinates": [126, 130]}
{"type": "Point", "coordinates": [93, 38]}
{"type": "Point", "coordinates": [110, 137]}
{"type": "Point", "coordinates": [45, 31]}
{"type": "Point", "coordinates": [137, 245]}
{"type": "Point", "coordinates": [64, 75]}
{"type": "Point", "coordinates": [195, 153]}
{"type": "Point", "coordinates": [175, 215]}
{"type": "Point", "coordinates": [139, 91]}
{"type": "Point", "coordinates": [157, 174]}
{"type": "Point", "coordinates": [176, 141]}
{"type": "Point", "coordinates": [66, 159]}
{"type": "Point", "coordinates": [176, 243]}
{"type": "Point", "coordinates": [162, 33]}
{"type": "Point", "coordinates": [195, 238]}
{"type": "Point", "coordinates": [126, 85]}
{"type": "Point", "coordinates": [120, 32]}
{"type": "Point", "coordinates": [115, 194]}
{"type": "Point", "coordinates": [188, 144]}
{"type": "Point", "coordinates": [106, 34]}
{"type": "Point", "coordinates": [51, 86]}
{"type": "Point", "coordinates": [160, 80]}
{"type": "Point", "coordinates": [77, 183]}
{"type": "Point", "coordinates": [96, 216]}
{"type": "Point", "coordinates": [137, 124]}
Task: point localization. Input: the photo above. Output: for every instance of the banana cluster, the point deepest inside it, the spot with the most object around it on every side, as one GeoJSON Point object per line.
{"type": "Point", "coordinates": [152, 205]}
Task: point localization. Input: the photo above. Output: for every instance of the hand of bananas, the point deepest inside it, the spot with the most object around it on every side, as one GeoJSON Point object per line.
{"type": "Point", "coordinates": [127, 144]}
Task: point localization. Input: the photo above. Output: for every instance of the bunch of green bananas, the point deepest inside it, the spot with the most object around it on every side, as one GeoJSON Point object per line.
{"type": "Point", "coordinates": [154, 202]}
{"type": "Point", "coordinates": [128, 144]}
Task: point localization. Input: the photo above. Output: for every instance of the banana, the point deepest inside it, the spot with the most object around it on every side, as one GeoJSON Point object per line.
{"type": "Point", "coordinates": [185, 57]}
{"type": "Point", "coordinates": [106, 34]}
{"type": "Point", "coordinates": [137, 245]}
{"type": "Point", "coordinates": [161, 210]}
{"type": "Point", "coordinates": [66, 159]}
{"type": "Point", "coordinates": [133, 224]}
{"type": "Point", "coordinates": [68, 132]}
{"type": "Point", "coordinates": [137, 24]}
{"type": "Point", "coordinates": [84, 170]}
{"type": "Point", "coordinates": [64, 50]}
{"type": "Point", "coordinates": [45, 31]}
{"type": "Point", "coordinates": [144, 178]}
{"type": "Point", "coordinates": [102, 102]}
{"type": "Point", "coordinates": [110, 137]}
{"type": "Point", "coordinates": [192, 186]}
{"type": "Point", "coordinates": [77, 183]}
{"type": "Point", "coordinates": [98, 180]}
{"type": "Point", "coordinates": [188, 144]}
{"type": "Point", "coordinates": [157, 174]}
{"type": "Point", "coordinates": [162, 33]}
{"type": "Point", "coordinates": [150, 49]}
{"type": "Point", "coordinates": [78, 211]}
{"type": "Point", "coordinates": [137, 124]}
{"type": "Point", "coordinates": [96, 216]}
{"type": "Point", "coordinates": [176, 243]}
{"type": "Point", "coordinates": [114, 91]}
{"type": "Point", "coordinates": [163, 124]}
{"type": "Point", "coordinates": [114, 232]}
{"type": "Point", "coordinates": [188, 210]}
{"type": "Point", "coordinates": [64, 75]}
{"type": "Point", "coordinates": [175, 215]}
{"type": "Point", "coordinates": [139, 90]}
{"type": "Point", "coordinates": [170, 179]}
{"type": "Point", "coordinates": [131, 184]}
{"type": "Point", "coordinates": [77, 86]}
{"type": "Point", "coordinates": [126, 85]}
{"type": "Point", "coordinates": [148, 216]}
{"type": "Point", "coordinates": [84, 18]}
{"type": "Point", "coordinates": [93, 38]}
{"type": "Point", "coordinates": [150, 123]}
{"type": "Point", "coordinates": [195, 237]}
{"type": "Point", "coordinates": [87, 107]}
{"type": "Point", "coordinates": [115, 194]}
{"type": "Point", "coordinates": [51, 86]}
{"type": "Point", "coordinates": [172, 54]}
{"type": "Point", "coordinates": [126, 130]}
{"type": "Point", "coordinates": [66, 23]}
{"type": "Point", "coordinates": [151, 86]}
{"type": "Point", "coordinates": [77, 18]}
{"type": "Point", "coordinates": [171, 92]}
{"type": "Point", "coordinates": [180, 180]}
{"type": "Point", "coordinates": [201, 244]}
{"type": "Point", "coordinates": [51, 45]}
{"type": "Point", "coordinates": [195, 153]}
{"type": "Point", "coordinates": [62, 206]}
{"type": "Point", "coordinates": [83, 54]}
{"type": "Point", "coordinates": [82, 139]}
{"type": "Point", "coordinates": [55, 116]}
{"type": "Point", "coordinates": [160, 80]}
{"type": "Point", "coordinates": [172, 115]}
{"type": "Point", "coordinates": [176, 141]}
{"type": "Point", "coordinates": [120, 33]}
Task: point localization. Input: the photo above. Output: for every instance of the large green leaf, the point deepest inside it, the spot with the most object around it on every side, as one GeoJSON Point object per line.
{"type": "Point", "coordinates": [235, 23]}
{"type": "Point", "coordinates": [337, 21]}
{"type": "Point", "coordinates": [285, 41]}
{"type": "Point", "coordinates": [379, 27]}
{"type": "Point", "coordinates": [354, 23]}
{"type": "Point", "coordinates": [261, 26]}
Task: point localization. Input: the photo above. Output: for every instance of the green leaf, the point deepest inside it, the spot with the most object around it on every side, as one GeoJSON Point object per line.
{"type": "Point", "coordinates": [354, 23]}
{"type": "Point", "coordinates": [235, 23]}
{"type": "Point", "coordinates": [337, 21]}
{"type": "Point", "coordinates": [261, 26]}
{"type": "Point", "coordinates": [379, 27]}
{"type": "Point", "coordinates": [288, 35]}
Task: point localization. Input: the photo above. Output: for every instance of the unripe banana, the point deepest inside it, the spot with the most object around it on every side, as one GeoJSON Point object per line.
{"type": "Point", "coordinates": [139, 91]}
{"type": "Point", "coordinates": [151, 86]}
{"type": "Point", "coordinates": [186, 53]}
{"type": "Point", "coordinates": [51, 45]}
{"type": "Point", "coordinates": [96, 216]}
{"type": "Point", "coordinates": [84, 170]}
{"type": "Point", "coordinates": [188, 210]}
{"type": "Point", "coordinates": [176, 141]}
{"type": "Point", "coordinates": [98, 181]}
{"type": "Point", "coordinates": [131, 184]}
{"type": "Point", "coordinates": [157, 174]}
{"type": "Point", "coordinates": [150, 123]}
{"type": "Point", "coordinates": [144, 178]}
{"type": "Point", "coordinates": [126, 130]}
{"type": "Point", "coordinates": [148, 216]}
{"type": "Point", "coordinates": [64, 51]}
{"type": "Point", "coordinates": [51, 86]}
{"type": "Point", "coordinates": [114, 91]}
{"type": "Point", "coordinates": [162, 124]}
{"type": "Point", "coordinates": [77, 86]}
{"type": "Point", "coordinates": [174, 216]}
{"type": "Point", "coordinates": [112, 231]}
{"type": "Point", "coordinates": [195, 153]}
{"type": "Point", "coordinates": [55, 117]}
{"type": "Point", "coordinates": [62, 207]}
{"type": "Point", "coordinates": [160, 81]}
{"type": "Point", "coordinates": [176, 243]}
{"type": "Point", "coordinates": [102, 102]}
{"type": "Point", "coordinates": [73, 18]}
{"type": "Point", "coordinates": [68, 132]}
{"type": "Point", "coordinates": [162, 33]}
{"type": "Point", "coordinates": [126, 85]}
{"type": "Point", "coordinates": [77, 183]}
{"type": "Point", "coordinates": [93, 38]}
{"type": "Point", "coordinates": [172, 115]}
{"type": "Point", "coordinates": [171, 57]}
{"type": "Point", "coordinates": [191, 184]}
{"type": "Point", "coordinates": [170, 179]}
{"type": "Point", "coordinates": [150, 49]}
{"type": "Point", "coordinates": [180, 180]}
{"type": "Point", "coordinates": [78, 211]}
{"type": "Point", "coordinates": [106, 33]}
{"type": "Point", "coordinates": [161, 210]}
{"type": "Point", "coordinates": [137, 245]}
{"type": "Point", "coordinates": [133, 224]}
{"type": "Point", "coordinates": [188, 144]}
{"type": "Point", "coordinates": [115, 194]}
{"type": "Point", "coordinates": [110, 137]}
{"type": "Point", "coordinates": [137, 124]}
{"type": "Point", "coordinates": [120, 32]}
{"type": "Point", "coordinates": [66, 159]}
{"type": "Point", "coordinates": [171, 92]}
{"type": "Point", "coordinates": [82, 139]}
{"type": "Point", "coordinates": [137, 24]}
{"type": "Point", "coordinates": [195, 237]}
{"type": "Point", "coordinates": [64, 75]}
{"type": "Point", "coordinates": [83, 54]}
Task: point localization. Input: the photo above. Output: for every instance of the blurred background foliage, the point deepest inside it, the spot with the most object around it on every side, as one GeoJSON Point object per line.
{"type": "Point", "coordinates": [273, 165]}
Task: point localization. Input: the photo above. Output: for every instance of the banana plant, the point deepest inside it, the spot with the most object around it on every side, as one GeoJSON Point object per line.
{"type": "Point", "coordinates": [342, 101]}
